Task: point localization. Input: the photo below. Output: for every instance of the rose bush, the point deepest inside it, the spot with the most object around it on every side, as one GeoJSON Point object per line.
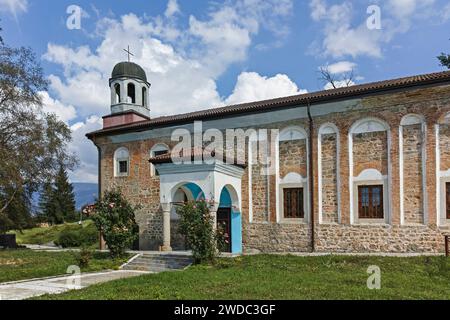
{"type": "Point", "coordinates": [114, 216]}
{"type": "Point", "coordinates": [197, 225]}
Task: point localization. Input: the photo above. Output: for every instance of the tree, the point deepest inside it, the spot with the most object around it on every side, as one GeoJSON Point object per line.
{"type": "Point", "coordinates": [63, 196]}
{"type": "Point", "coordinates": [333, 81]}
{"type": "Point", "coordinates": [32, 143]}
{"type": "Point", "coordinates": [445, 60]}
{"type": "Point", "coordinates": [114, 217]}
{"type": "Point", "coordinates": [17, 215]}
{"type": "Point", "coordinates": [47, 205]}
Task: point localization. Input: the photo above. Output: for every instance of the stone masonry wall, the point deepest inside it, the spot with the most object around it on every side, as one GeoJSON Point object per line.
{"type": "Point", "coordinates": [444, 147]}
{"type": "Point", "coordinates": [293, 157]}
{"type": "Point", "coordinates": [329, 179]}
{"type": "Point", "coordinates": [412, 174]}
{"type": "Point", "coordinates": [140, 187]}
{"type": "Point", "coordinates": [370, 152]}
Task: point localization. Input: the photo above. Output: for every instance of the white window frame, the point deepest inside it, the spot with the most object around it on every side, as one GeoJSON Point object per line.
{"type": "Point", "coordinates": [293, 180]}
{"type": "Point", "coordinates": [118, 157]}
{"type": "Point", "coordinates": [371, 177]}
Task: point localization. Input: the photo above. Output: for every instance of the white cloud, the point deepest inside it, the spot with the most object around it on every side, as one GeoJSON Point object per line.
{"type": "Point", "coordinates": [182, 64]}
{"type": "Point", "coordinates": [342, 37]}
{"type": "Point", "coordinates": [182, 72]}
{"type": "Point", "coordinates": [14, 6]}
{"type": "Point", "coordinates": [253, 87]}
{"type": "Point", "coordinates": [341, 67]}
{"type": "Point", "coordinates": [445, 15]}
{"type": "Point", "coordinates": [63, 112]}
{"type": "Point", "coordinates": [85, 150]}
{"type": "Point", "coordinates": [172, 8]}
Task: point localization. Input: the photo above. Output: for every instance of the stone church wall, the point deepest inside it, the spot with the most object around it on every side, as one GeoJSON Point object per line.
{"type": "Point", "coordinates": [265, 234]}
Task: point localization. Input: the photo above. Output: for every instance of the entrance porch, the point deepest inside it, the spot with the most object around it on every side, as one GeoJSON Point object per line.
{"type": "Point", "coordinates": [218, 183]}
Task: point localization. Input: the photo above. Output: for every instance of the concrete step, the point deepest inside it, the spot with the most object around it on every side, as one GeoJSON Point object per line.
{"type": "Point", "coordinates": [159, 263]}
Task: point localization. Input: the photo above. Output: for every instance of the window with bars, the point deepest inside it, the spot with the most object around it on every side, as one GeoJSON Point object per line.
{"type": "Point", "coordinates": [370, 202]}
{"type": "Point", "coordinates": [123, 167]}
{"type": "Point", "coordinates": [293, 203]}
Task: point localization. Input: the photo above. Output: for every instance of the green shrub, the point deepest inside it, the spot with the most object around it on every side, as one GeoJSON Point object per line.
{"type": "Point", "coordinates": [77, 236]}
{"type": "Point", "coordinates": [197, 225]}
{"type": "Point", "coordinates": [83, 257]}
{"type": "Point", "coordinates": [114, 216]}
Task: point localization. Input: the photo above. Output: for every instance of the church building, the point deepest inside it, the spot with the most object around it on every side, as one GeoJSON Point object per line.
{"type": "Point", "coordinates": [362, 169]}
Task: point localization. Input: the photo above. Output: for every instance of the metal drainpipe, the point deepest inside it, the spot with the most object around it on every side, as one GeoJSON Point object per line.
{"type": "Point", "coordinates": [99, 196]}
{"type": "Point", "coordinates": [311, 176]}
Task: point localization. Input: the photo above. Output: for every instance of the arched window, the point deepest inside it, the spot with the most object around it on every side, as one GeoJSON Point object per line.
{"type": "Point", "coordinates": [157, 150]}
{"type": "Point", "coordinates": [369, 171]}
{"type": "Point", "coordinates": [293, 195]}
{"type": "Point", "coordinates": [144, 96]}
{"type": "Point", "coordinates": [117, 93]}
{"type": "Point", "coordinates": [121, 162]}
{"type": "Point", "coordinates": [131, 93]}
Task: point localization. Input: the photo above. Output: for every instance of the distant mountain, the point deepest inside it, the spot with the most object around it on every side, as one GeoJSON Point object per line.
{"type": "Point", "coordinates": [85, 193]}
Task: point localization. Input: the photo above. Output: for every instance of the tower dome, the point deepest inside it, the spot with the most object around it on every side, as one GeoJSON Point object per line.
{"type": "Point", "coordinates": [129, 89]}
{"type": "Point", "coordinates": [128, 70]}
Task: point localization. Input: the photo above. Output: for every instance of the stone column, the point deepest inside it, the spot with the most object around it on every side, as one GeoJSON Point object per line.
{"type": "Point", "coordinates": [166, 208]}
{"type": "Point", "coordinates": [213, 211]}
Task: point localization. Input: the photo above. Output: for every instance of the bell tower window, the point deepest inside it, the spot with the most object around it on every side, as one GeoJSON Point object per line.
{"type": "Point", "coordinates": [131, 93]}
{"type": "Point", "coordinates": [144, 96]}
{"type": "Point", "coordinates": [117, 91]}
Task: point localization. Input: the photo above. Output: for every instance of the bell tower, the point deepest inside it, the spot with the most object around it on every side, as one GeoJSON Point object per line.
{"type": "Point", "coordinates": [129, 95]}
{"type": "Point", "coordinates": [129, 89]}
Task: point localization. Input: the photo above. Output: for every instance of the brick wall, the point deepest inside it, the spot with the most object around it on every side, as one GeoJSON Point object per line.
{"type": "Point", "coordinates": [412, 174]}
{"type": "Point", "coordinates": [329, 178]}
{"type": "Point", "coordinates": [293, 157]}
{"type": "Point", "coordinates": [444, 146]}
{"type": "Point", "coordinates": [370, 151]}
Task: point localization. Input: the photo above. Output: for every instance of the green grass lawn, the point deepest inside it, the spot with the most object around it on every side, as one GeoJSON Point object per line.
{"type": "Point", "coordinates": [27, 264]}
{"type": "Point", "coordinates": [46, 235]}
{"type": "Point", "coordinates": [285, 277]}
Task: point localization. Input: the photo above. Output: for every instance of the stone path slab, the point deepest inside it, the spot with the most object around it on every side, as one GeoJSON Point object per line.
{"type": "Point", "coordinates": [33, 288]}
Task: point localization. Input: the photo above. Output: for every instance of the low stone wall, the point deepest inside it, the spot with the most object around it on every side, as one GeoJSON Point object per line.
{"type": "Point", "coordinates": [274, 237]}
{"type": "Point", "coordinates": [380, 238]}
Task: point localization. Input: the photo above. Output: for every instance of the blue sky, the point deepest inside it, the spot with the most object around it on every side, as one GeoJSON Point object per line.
{"type": "Point", "coordinates": [200, 54]}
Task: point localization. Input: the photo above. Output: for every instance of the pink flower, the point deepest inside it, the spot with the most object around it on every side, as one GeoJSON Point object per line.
{"type": "Point", "coordinates": [112, 205]}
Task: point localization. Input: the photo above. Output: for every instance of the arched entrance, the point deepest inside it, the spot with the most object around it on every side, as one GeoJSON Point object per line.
{"type": "Point", "coordinates": [229, 218]}
{"type": "Point", "coordinates": [182, 194]}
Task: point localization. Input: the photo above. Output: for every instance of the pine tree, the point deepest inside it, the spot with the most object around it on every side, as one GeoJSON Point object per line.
{"type": "Point", "coordinates": [47, 205]}
{"type": "Point", "coordinates": [64, 198]}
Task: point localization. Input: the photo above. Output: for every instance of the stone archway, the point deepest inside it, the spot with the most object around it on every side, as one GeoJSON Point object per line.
{"type": "Point", "coordinates": [229, 213]}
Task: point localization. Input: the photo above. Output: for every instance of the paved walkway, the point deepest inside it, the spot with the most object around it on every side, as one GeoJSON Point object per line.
{"type": "Point", "coordinates": [32, 288]}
